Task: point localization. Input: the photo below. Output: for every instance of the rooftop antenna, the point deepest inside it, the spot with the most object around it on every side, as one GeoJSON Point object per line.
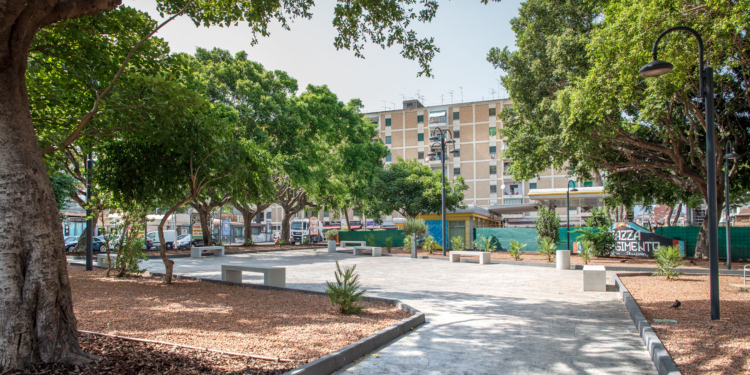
{"type": "Point", "coordinates": [462, 93]}
{"type": "Point", "coordinates": [394, 105]}
{"type": "Point", "coordinates": [441, 99]}
{"type": "Point", "coordinates": [403, 97]}
{"type": "Point", "coordinates": [492, 91]}
{"type": "Point", "coordinates": [385, 108]}
{"type": "Point", "coordinates": [498, 87]}
{"type": "Point", "coordinates": [451, 93]}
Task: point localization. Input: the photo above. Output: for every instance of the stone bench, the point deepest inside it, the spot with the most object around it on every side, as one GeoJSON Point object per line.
{"type": "Point", "coordinates": [360, 243]}
{"type": "Point", "coordinates": [376, 251]}
{"type": "Point", "coordinates": [594, 279]}
{"type": "Point", "coordinates": [101, 259]}
{"type": "Point", "coordinates": [197, 252]}
{"type": "Point", "coordinates": [273, 276]}
{"type": "Point", "coordinates": [484, 257]}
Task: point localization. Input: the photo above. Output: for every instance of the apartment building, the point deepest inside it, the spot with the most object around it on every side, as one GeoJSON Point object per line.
{"type": "Point", "coordinates": [475, 127]}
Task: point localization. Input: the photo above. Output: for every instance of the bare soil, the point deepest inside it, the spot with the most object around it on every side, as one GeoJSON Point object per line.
{"type": "Point", "coordinates": [270, 323]}
{"type": "Point", "coordinates": [614, 261]}
{"type": "Point", "coordinates": [697, 344]}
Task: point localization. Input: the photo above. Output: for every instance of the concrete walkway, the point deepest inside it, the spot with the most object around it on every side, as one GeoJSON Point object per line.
{"type": "Point", "coordinates": [491, 319]}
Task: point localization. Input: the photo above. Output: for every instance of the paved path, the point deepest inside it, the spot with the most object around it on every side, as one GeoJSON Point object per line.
{"type": "Point", "coordinates": [491, 319]}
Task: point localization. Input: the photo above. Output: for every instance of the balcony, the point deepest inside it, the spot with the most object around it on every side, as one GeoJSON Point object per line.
{"type": "Point", "coordinates": [438, 118]}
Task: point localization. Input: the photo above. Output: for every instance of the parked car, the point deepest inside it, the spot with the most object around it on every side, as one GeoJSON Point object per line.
{"type": "Point", "coordinates": [70, 238]}
{"type": "Point", "coordinates": [169, 238]}
{"type": "Point", "coordinates": [97, 245]}
{"type": "Point", "coordinates": [183, 242]}
{"type": "Point", "coordinates": [199, 242]}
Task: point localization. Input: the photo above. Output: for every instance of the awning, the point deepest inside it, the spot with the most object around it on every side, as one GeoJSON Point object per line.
{"type": "Point", "coordinates": [438, 114]}
{"type": "Point", "coordinates": [513, 208]}
{"type": "Point", "coordinates": [582, 197]}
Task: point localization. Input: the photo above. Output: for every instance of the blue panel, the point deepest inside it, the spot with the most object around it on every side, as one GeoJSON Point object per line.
{"type": "Point", "coordinates": [433, 229]}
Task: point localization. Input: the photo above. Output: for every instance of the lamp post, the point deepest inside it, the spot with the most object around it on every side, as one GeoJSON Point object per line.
{"type": "Point", "coordinates": [439, 135]}
{"type": "Point", "coordinates": [567, 208]}
{"type": "Point", "coordinates": [733, 156]}
{"type": "Point", "coordinates": [89, 220]}
{"type": "Point", "coordinates": [706, 88]}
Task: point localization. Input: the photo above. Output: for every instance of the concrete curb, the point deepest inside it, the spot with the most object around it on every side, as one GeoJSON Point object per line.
{"type": "Point", "coordinates": [659, 354]}
{"type": "Point", "coordinates": [339, 359]}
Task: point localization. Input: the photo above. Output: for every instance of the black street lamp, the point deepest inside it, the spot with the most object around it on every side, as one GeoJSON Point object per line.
{"type": "Point", "coordinates": [439, 135]}
{"type": "Point", "coordinates": [733, 156]}
{"type": "Point", "coordinates": [706, 89]}
{"type": "Point", "coordinates": [567, 207]}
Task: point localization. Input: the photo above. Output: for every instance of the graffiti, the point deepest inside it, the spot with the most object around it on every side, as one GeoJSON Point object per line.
{"type": "Point", "coordinates": [633, 240]}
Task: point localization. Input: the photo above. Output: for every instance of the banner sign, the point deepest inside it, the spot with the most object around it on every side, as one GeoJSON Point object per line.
{"type": "Point", "coordinates": [195, 223]}
{"type": "Point", "coordinates": [634, 240]}
{"type": "Point", "coordinates": [226, 227]}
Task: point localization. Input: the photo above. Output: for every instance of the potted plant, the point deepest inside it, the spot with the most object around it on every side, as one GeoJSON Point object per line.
{"type": "Point", "coordinates": [332, 235]}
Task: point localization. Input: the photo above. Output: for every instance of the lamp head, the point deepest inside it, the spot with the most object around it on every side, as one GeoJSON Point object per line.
{"type": "Point", "coordinates": [574, 189]}
{"type": "Point", "coordinates": [732, 156]}
{"type": "Point", "coordinates": [432, 154]}
{"type": "Point", "coordinates": [434, 138]}
{"type": "Point", "coordinates": [455, 151]}
{"type": "Point", "coordinates": [655, 68]}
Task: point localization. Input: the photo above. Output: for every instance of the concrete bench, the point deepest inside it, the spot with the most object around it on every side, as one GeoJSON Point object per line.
{"type": "Point", "coordinates": [101, 259]}
{"type": "Point", "coordinates": [594, 279]}
{"type": "Point", "coordinates": [376, 251]}
{"type": "Point", "coordinates": [273, 276]}
{"type": "Point", "coordinates": [197, 252]}
{"type": "Point", "coordinates": [484, 257]}
{"type": "Point", "coordinates": [360, 243]}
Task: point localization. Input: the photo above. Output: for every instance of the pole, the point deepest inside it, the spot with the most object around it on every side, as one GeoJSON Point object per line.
{"type": "Point", "coordinates": [442, 156]}
{"type": "Point", "coordinates": [567, 208]}
{"type": "Point", "coordinates": [726, 203]}
{"type": "Point", "coordinates": [89, 221]}
{"type": "Point", "coordinates": [713, 229]}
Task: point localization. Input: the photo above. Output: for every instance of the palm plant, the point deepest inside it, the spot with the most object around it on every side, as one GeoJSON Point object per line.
{"type": "Point", "coordinates": [548, 247]}
{"type": "Point", "coordinates": [515, 249]}
{"type": "Point", "coordinates": [346, 292]}
{"type": "Point", "coordinates": [667, 259]}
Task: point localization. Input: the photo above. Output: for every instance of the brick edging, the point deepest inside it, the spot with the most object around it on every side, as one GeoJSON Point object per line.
{"type": "Point", "coordinates": [659, 354]}
{"type": "Point", "coordinates": [339, 359]}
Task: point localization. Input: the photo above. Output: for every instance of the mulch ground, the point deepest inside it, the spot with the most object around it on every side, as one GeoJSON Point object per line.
{"type": "Point", "coordinates": [229, 249]}
{"type": "Point", "coordinates": [269, 323]}
{"type": "Point", "coordinates": [614, 261]}
{"type": "Point", "coordinates": [697, 344]}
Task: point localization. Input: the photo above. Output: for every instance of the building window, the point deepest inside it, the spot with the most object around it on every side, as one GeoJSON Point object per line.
{"type": "Point", "coordinates": [456, 115]}
{"type": "Point", "coordinates": [532, 185]}
{"type": "Point", "coordinates": [268, 215]}
{"type": "Point", "coordinates": [514, 190]}
{"type": "Point", "coordinates": [492, 112]}
{"type": "Point", "coordinates": [438, 117]}
{"type": "Point", "coordinates": [388, 157]}
{"type": "Point", "coordinates": [493, 149]}
{"type": "Point", "coordinates": [493, 189]}
{"type": "Point", "coordinates": [456, 171]}
{"type": "Point", "coordinates": [420, 155]}
{"type": "Point", "coordinates": [588, 184]}
{"type": "Point", "coordinates": [420, 119]}
{"type": "Point", "coordinates": [456, 134]}
{"type": "Point", "coordinates": [387, 139]}
{"type": "Point", "coordinates": [493, 169]}
{"type": "Point", "coordinates": [493, 131]}
{"type": "Point", "coordinates": [374, 120]}
{"type": "Point", "coordinates": [420, 137]}
{"type": "Point", "coordinates": [387, 122]}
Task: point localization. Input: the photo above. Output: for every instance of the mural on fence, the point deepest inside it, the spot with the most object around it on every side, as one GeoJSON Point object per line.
{"type": "Point", "coordinates": [635, 240]}
{"type": "Point", "coordinates": [433, 229]}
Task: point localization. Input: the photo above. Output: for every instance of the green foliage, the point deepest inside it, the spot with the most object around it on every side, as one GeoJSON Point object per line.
{"type": "Point", "coordinates": [417, 227]}
{"type": "Point", "coordinates": [515, 250]}
{"type": "Point", "coordinates": [548, 247]}
{"type": "Point", "coordinates": [346, 292]}
{"type": "Point", "coordinates": [668, 258]}
{"type": "Point", "coordinates": [388, 244]}
{"type": "Point", "coordinates": [332, 235]}
{"type": "Point", "coordinates": [407, 243]}
{"type": "Point", "coordinates": [429, 244]}
{"type": "Point", "coordinates": [586, 250]}
{"type": "Point", "coordinates": [124, 238]}
{"type": "Point", "coordinates": [305, 240]}
{"type": "Point", "coordinates": [487, 244]}
{"type": "Point", "coordinates": [249, 241]}
{"type": "Point", "coordinates": [602, 239]}
{"type": "Point", "coordinates": [411, 188]}
{"type": "Point", "coordinates": [63, 186]}
{"type": "Point", "coordinates": [370, 238]}
{"type": "Point", "coordinates": [281, 242]}
{"type": "Point", "coordinates": [547, 224]}
{"type": "Point", "coordinates": [457, 243]}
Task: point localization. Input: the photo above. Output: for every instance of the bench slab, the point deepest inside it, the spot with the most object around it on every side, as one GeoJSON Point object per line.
{"type": "Point", "coordinates": [594, 279]}
{"type": "Point", "coordinates": [197, 252]}
{"type": "Point", "coordinates": [360, 243]}
{"type": "Point", "coordinates": [101, 259]}
{"type": "Point", "coordinates": [273, 276]}
{"type": "Point", "coordinates": [376, 251]}
{"type": "Point", "coordinates": [484, 257]}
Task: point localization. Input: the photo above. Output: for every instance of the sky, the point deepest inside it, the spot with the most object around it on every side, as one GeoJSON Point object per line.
{"type": "Point", "coordinates": [464, 30]}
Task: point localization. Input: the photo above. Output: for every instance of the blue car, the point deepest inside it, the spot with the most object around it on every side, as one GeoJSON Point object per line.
{"type": "Point", "coordinates": [97, 245]}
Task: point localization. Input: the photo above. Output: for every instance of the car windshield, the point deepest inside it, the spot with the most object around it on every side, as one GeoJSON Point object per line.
{"type": "Point", "coordinates": [297, 225]}
{"type": "Point", "coordinates": [182, 236]}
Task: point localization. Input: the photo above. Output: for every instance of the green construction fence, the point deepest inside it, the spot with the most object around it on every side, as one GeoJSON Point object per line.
{"type": "Point", "coordinates": [397, 236]}
{"type": "Point", "coordinates": [502, 237]}
{"type": "Point", "coordinates": [740, 240]}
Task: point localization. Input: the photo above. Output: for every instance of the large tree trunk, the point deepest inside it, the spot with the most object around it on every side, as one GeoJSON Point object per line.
{"type": "Point", "coordinates": [286, 233]}
{"type": "Point", "coordinates": [248, 214]}
{"type": "Point", "coordinates": [36, 310]}
{"type": "Point", "coordinates": [668, 220]}
{"type": "Point", "coordinates": [205, 215]}
{"type": "Point", "coordinates": [701, 246]}
{"type": "Point", "coordinates": [677, 217]}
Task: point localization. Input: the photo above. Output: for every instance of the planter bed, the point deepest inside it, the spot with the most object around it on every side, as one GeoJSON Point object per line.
{"type": "Point", "coordinates": [697, 344]}
{"type": "Point", "coordinates": [264, 322]}
{"type": "Point", "coordinates": [229, 250]}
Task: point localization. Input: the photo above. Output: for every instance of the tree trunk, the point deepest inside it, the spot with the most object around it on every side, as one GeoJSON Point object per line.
{"type": "Point", "coordinates": [205, 215]}
{"type": "Point", "coordinates": [285, 230]}
{"type": "Point", "coordinates": [701, 246]}
{"type": "Point", "coordinates": [668, 220]}
{"type": "Point", "coordinates": [346, 217]}
{"type": "Point", "coordinates": [37, 323]}
{"type": "Point", "coordinates": [248, 214]}
{"type": "Point", "coordinates": [677, 217]}
{"type": "Point", "coordinates": [81, 245]}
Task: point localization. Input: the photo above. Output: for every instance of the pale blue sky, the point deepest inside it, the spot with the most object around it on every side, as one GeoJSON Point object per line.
{"type": "Point", "coordinates": [465, 30]}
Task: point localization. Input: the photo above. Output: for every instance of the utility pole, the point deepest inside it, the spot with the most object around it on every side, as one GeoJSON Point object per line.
{"type": "Point", "coordinates": [451, 94]}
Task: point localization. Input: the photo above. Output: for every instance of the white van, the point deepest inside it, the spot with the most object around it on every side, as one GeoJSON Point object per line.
{"type": "Point", "coordinates": [169, 238]}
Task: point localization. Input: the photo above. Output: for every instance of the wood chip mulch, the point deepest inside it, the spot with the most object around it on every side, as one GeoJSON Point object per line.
{"type": "Point", "coordinates": [269, 323]}
{"type": "Point", "coordinates": [134, 358]}
{"type": "Point", "coordinates": [697, 344]}
{"type": "Point", "coordinates": [229, 249]}
{"type": "Point", "coordinates": [615, 261]}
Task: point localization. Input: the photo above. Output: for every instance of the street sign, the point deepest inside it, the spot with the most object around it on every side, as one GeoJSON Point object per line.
{"type": "Point", "coordinates": [225, 227]}
{"type": "Point", "coordinates": [195, 223]}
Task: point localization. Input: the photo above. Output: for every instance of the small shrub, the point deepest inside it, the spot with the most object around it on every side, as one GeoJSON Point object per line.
{"type": "Point", "coordinates": [548, 247]}
{"type": "Point", "coordinates": [667, 259]}
{"type": "Point", "coordinates": [457, 243]}
{"type": "Point", "coordinates": [407, 244]}
{"type": "Point", "coordinates": [388, 244]}
{"type": "Point", "coordinates": [346, 292]}
{"type": "Point", "coordinates": [515, 250]}
{"type": "Point", "coordinates": [332, 235]}
{"type": "Point", "coordinates": [370, 238]}
{"type": "Point", "coordinates": [429, 244]}
{"type": "Point", "coordinates": [281, 242]}
{"type": "Point", "coordinates": [417, 227]}
{"type": "Point", "coordinates": [547, 224]}
{"type": "Point", "coordinates": [585, 250]}
{"type": "Point", "coordinates": [249, 241]}
{"type": "Point", "coordinates": [305, 240]}
{"type": "Point", "coordinates": [485, 243]}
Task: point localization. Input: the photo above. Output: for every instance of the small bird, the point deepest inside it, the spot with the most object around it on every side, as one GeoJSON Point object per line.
{"type": "Point", "coordinates": [623, 261]}
{"type": "Point", "coordinates": [693, 263]}
{"type": "Point", "coordinates": [676, 304]}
